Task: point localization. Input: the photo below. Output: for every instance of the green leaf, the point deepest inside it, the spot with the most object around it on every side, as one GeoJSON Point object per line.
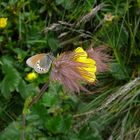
{"type": "Point", "coordinates": [59, 1]}
{"type": "Point", "coordinates": [119, 72]}
{"type": "Point", "coordinates": [21, 54]}
{"type": "Point", "coordinates": [6, 60]}
{"type": "Point", "coordinates": [53, 43]}
{"type": "Point", "coordinates": [11, 132]}
{"type": "Point", "coordinates": [22, 87]}
{"type": "Point", "coordinates": [40, 110]}
{"type": "Point", "coordinates": [51, 97]}
{"type": "Point", "coordinates": [58, 124]}
{"type": "Point", "coordinates": [87, 133]}
{"type": "Point", "coordinates": [26, 90]}
{"type": "Point", "coordinates": [10, 81]}
{"type": "Point", "coordinates": [1, 38]}
{"type": "Point", "coordinates": [55, 87]}
{"type": "Point", "coordinates": [67, 4]}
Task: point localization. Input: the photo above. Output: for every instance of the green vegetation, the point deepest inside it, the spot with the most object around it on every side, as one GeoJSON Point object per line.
{"type": "Point", "coordinates": [34, 109]}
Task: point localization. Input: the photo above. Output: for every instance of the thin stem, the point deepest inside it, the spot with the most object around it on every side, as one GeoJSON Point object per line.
{"type": "Point", "coordinates": [36, 98]}
{"type": "Point", "coordinates": [23, 126]}
{"type": "Point", "coordinates": [33, 101]}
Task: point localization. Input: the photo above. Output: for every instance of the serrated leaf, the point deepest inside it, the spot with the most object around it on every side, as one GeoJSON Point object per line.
{"type": "Point", "coordinates": [119, 72]}
{"type": "Point", "coordinates": [6, 60]}
{"type": "Point", "coordinates": [10, 81]}
{"type": "Point", "coordinates": [39, 110]}
{"type": "Point", "coordinates": [49, 99]}
{"type": "Point", "coordinates": [55, 87]}
{"type": "Point", "coordinates": [11, 132]}
{"type": "Point", "coordinates": [23, 89]}
{"type": "Point", "coordinates": [58, 124]}
{"type": "Point", "coordinates": [87, 133]}
{"type": "Point", "coordinates": [52, 97]}
{"type": "Point", "coordinates": [26, 90]}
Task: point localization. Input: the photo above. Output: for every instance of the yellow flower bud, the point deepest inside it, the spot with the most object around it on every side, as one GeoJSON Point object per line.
{"type": "Point", "coordinates": [31, 76]}
{"type": "Point", "coordinates": [3, 22]}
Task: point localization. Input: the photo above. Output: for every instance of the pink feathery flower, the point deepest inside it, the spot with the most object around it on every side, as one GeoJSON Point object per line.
{"type": "Point", "coordinates": [71, 69]}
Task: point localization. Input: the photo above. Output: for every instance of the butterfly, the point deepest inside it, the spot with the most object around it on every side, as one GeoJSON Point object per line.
{"type": "Point", "coordinates": [41, 63]}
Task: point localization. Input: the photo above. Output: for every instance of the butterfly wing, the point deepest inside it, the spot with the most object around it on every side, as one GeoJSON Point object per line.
{"type": "Point", "coordinates": [44, 64]}
{"type": "Point", "coordinates": [33, 60]}
{"type": "Point", "coordinates": [40, 62]}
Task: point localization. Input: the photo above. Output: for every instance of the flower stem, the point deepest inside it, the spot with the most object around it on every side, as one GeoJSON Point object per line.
{"type": "Point", "coordinates": [36, 98]}
{"type": "Point", "coordinates": [27, 105]}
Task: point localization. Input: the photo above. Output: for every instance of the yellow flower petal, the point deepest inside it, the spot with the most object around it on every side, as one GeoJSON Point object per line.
{"type": "Point", "coordinates": [81, 52]}
{"type": "Point", "coordinates": [89, 76]}
{"type": "Point", "coordinates": [89, 65]}
{"type": "Point", "coordinates": [90, 79]}
{"type": "Point", "coordinates": [88, 61]}
{"type": "Point", "coordinates": [90, 69]}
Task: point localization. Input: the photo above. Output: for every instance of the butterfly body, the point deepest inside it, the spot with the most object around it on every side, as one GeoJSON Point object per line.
{"type": "Point", "coordinates": [40, 62]}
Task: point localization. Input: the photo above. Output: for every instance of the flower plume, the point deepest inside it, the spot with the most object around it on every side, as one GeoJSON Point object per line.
{"type": "Point", "coordinates": [71, 68]}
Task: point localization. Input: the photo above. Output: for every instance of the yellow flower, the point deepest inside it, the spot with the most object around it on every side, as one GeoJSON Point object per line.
{"type": "Point", "coordinates": [3, 22]}
{"type": "Point", "coordinates": [88, 69]}
{"type": "Point", "coordinates": [31, 76]}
